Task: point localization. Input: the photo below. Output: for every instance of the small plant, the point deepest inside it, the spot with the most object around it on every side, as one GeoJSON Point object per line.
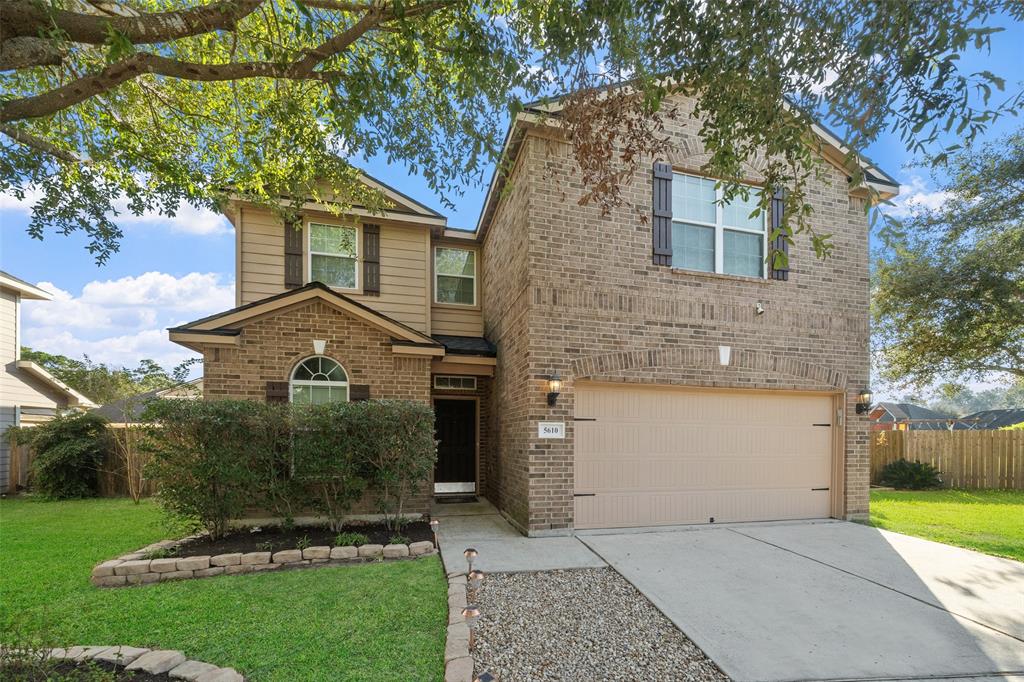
{"type": "Point", "coordinates": [303, 542]}
{"type": "Point", "coordinates": [398, 539]}
{"type": "Point", "coordinates": [267, 546]}
{"type": "Point", "coordinates": [349, 538]}
{"type": "Point", "coordinates": [903, 474]}
{"type": "Point", "coordinates": [160, 553]}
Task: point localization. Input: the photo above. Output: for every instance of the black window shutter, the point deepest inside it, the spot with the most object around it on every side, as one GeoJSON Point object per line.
{"type": "Point", "coordinates": [292, 255]}
{"type": "Point", "coordinates": [661, 219]}
{"type": "Point", "coordinates": [357, 392]}
{"type": "Point", "coordinates": [780, 244]}
{"type": "Point", "coordinates": [277, 391]}
{"type": "Point", "coordinates": [371, 260]}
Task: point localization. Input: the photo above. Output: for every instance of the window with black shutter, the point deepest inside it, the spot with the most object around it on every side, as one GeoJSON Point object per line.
{"type": "Point", "coordinates": [293, 255]}
{"type": "Point", "coordinates": [371, 260]}
{"type": "Point", "coordinates": [778, 253]}
{"type": "Point", "coordinates": [661, 214]}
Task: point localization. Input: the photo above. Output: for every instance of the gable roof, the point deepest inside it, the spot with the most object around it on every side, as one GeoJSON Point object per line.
{"type": "Point", "coordinates": [903, 411]}
{"type": "Point", "coordinates": [26, 290]}
{"type": "Point", "coordinates": [995, 419]}
{"type": "Point", "coordinates": [539, 112]}
{"type": "Point", "coordinates": [75, 399]}
{"type": "Point", "coordinates": [227, 325]}
{"type": "Point", "coordinates": [129, 410]}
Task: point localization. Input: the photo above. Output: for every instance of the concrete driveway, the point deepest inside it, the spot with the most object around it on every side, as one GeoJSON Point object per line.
{"type": "Point", "coordinates": [829, 600]}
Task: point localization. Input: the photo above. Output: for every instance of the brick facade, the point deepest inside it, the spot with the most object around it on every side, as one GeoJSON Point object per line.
{"type": "Point", "coordinates": [270, 348]}
{"type": "Point", "coordinates": [579, 294]}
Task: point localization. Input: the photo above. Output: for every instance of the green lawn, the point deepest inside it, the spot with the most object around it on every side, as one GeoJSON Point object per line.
{"type": "Point", "coordinates": [380, 621]}
{"type": "Point", "coordinates": [990, 521]}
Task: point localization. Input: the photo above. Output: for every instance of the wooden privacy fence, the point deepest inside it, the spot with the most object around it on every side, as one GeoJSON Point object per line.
{"type": "Point", "coordinates": [111, 478]}
{"type": "Point", "coordinates": [967, 459]}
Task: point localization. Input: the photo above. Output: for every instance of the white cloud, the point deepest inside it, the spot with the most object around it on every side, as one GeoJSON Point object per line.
{"type": "Point", "coordinates": [187, 220]}
{"type": "Point", "coordinates": [916, 194]}
{"type": "Point", "coordinates": [122, 321]}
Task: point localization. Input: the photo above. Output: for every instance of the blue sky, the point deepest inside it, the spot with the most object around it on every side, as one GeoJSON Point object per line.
{"type": "Point", "coordinates": [174, 270]}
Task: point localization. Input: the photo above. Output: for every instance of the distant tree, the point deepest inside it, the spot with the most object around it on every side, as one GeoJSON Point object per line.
{"type": "Point", "coordinates": [104, 383]}
{"type": "Point", "coordinates": [948, 295]}
{"type": "Point", "coordinates": [961, 400]}
{"type": "Point", "coordinates": [139, 105]}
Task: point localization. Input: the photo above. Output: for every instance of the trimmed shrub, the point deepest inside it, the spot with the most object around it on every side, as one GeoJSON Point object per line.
{"type": "Point", "coordinates": [326, 454]}
{"type": "Point", "coordinates": [916, 475]}
{"type": "Point", "coordinates": [208, 456]}
{"type": "Point", "coordinates": [69, 451]}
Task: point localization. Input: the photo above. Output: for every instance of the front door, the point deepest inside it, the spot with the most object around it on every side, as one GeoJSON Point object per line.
{"type": "Point", "coordinates": [455, 429]}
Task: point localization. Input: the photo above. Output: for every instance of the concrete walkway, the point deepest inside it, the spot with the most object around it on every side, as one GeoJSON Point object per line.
{"type": "Point", "coordinates": [502, 548]}
{"type": "Point", "coordinates": [829, 600]}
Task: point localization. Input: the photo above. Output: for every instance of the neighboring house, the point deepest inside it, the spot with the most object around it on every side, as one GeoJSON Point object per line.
{"type": "Point", "coordinates": [28, 393]}
{"type": "Point", "coordinates": [129, 410]}
{"type": "Point", "coordinates": [640, 368]}
{"type": "Point", "coordinates": [903, 416]}
{"type": "Point", "coordinates": [993, 419]}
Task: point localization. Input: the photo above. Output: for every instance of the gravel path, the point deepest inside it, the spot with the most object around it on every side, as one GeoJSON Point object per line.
{"type": "Point", "coordinates": [587, 624]}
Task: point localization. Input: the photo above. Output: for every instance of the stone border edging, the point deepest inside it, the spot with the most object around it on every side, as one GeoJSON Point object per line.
{"type": "Point", "coordinates": [458, 663]}
{"type": "Point", "coordinates": [153, 661]}
{"type": "Point", "coordinates": [133, 569]}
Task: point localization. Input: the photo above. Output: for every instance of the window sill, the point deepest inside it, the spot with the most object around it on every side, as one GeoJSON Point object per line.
{"type": "Point", "coordinates": [764, 281]}
{"type": "Point", "coordinates": [456, 306]}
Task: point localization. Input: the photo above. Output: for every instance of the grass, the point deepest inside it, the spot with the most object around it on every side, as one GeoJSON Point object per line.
{"type": "Point", "coordinates": [363, 622]}
{"type": "Point", "coordinates": [989, 521]}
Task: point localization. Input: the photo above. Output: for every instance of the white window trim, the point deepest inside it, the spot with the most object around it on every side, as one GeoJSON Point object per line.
{"type": "Point", "coordinates": [476, 276]}
{"type": "Point", "coordinates": [310, 252]}
{"type": "Point", "coordinates": [720, 229]}
{"type": "Point", "coordinates": [293, 382]}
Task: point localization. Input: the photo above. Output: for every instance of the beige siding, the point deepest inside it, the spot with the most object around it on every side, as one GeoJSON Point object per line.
{"type": "Point", "coordinates": [16, 386]}
{"type": "Point", "coordinates": [456, 321]}
{"type": "Point", "coordinates": [261, 244]}
{"type": "Point", "coordinates": [654, 456]}
{"type": "Point", "coordinates": [404, 263]}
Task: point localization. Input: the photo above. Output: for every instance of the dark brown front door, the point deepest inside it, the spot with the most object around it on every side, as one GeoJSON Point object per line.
{"type": "Point", "coordinates": [455, 427]}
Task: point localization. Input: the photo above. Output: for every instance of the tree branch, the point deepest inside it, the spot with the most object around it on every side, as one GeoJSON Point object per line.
{"type": "Point", "coordinates": [39, 144]}
{"type": "Point", "coordinates": [27, 19]}
{"type": "Point", "coordinates": [19, 53]}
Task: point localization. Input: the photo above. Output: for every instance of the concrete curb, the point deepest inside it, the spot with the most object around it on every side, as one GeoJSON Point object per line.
{"type": "Point", "coordinates": [154, 661]}
{"type": "Point", "coordinates": [135, 569]}
{"type": "Point", "coordinates": [458, 663]}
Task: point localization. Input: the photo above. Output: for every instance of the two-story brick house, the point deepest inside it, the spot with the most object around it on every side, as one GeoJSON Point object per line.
{"type": "Point", "coordinates": [586, 370]}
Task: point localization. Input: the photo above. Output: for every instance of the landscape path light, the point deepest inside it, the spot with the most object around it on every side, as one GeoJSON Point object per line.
{"type": "Point", "coordinates": [475, 579]}
{"type": "Point", "coordinates": [471, 614]}
{"type": "Point", "coordinates": [470, 554]}
{"type": "Point", "coordinates": [434, 523]}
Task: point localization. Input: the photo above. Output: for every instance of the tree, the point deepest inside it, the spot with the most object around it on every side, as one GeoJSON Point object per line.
{"type": "Point", "coordinates": [144, 104]}
{"type": "Point", "coordinates": [105, 384]}
{"type": "Point", "coordinates": [949, 284]}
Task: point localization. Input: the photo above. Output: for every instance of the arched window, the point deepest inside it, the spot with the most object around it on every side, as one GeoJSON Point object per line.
{"type": "Point", "coordinates": [319, 380]}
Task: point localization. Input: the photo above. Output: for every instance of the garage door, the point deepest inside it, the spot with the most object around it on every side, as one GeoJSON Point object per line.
{"type": "Point", "coordinates": [655, 456]}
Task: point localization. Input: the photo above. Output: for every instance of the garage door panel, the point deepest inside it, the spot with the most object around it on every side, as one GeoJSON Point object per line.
{"type": "Point", "coordinates": [657, 455]}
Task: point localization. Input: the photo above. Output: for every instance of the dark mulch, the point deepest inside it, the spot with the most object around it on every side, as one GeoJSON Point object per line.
{"type": "Point", "coordinates": [70, 671]}
{"type": "Point", "coordinates": [276, 538]}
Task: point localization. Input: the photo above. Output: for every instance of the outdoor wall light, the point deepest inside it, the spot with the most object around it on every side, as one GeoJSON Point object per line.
{"type": "Point", "coordinates": [864, 401]}
{"type": "Point", "coordinates": [554, 388]}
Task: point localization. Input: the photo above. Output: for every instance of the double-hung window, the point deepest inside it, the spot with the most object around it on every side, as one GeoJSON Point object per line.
{"type": "Point", "coordinates": [334, 255]}
{"type": "Point", "coordinates": [454, 275]}
{"type": "Point", "coordinates": [711, 237]}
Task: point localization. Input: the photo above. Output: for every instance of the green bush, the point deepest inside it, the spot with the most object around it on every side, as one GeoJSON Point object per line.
{"type": "Point", "coordinates": [911, 475]}
{"type": "Point", "coordinates": [207, 456]}
{"type": "Point", "coordinates": [350, 538]}
{"type": "Point", "coordinates": [213, 459]}
{"type": "Point", "coordinates": [326, 454]}
{"type": "Point", "coordinates": [69, 452]}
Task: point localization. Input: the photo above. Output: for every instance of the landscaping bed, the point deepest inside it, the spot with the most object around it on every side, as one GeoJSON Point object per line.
{"type": "Point", "coordinates": [586, 624]}
{"type": "Point", "coordinates": [70, 671]}
{"type": "Point", "coordinates": [275, 538]}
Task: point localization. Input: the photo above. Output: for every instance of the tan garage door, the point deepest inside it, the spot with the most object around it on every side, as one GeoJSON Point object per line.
{"type": "Point", "coordinates": [654, 456]}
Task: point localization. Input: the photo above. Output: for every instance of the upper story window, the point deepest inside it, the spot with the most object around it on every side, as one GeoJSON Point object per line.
{"type": "Point", "coordinates": [710, 237]}
{"type": "Point", "coordinates": [454, 275]}
{"type": "Point", "coordinates": [319, 380]}
{"type": "Point", "coordinates": [334, 255]}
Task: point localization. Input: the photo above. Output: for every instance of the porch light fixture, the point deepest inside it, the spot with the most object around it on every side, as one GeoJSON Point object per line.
{"type": "Point", "coordinates": [554, 388]}
{"type": "Point", "coordinates": [319, 345]}
{"type": "Point", "coordinates": [864, 401]}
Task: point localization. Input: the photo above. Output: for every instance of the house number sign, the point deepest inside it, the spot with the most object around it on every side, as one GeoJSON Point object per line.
{"type": "Point", "coordinates": [551, 429]}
